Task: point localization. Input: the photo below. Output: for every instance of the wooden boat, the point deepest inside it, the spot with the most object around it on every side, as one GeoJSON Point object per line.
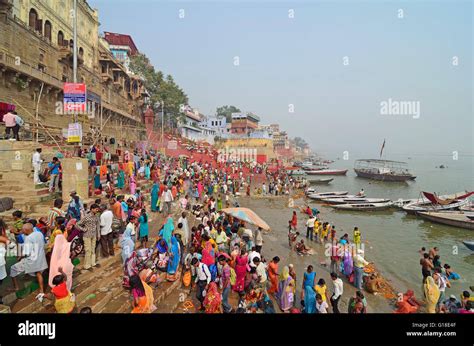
{"type": "Point", "coordinates": [327, 172]}
{"type": "Point", "coordinates": [384, 170]}
{"type": "Point", "coordinates": [310, 191]}
{"type": "Point", "coordinates": [320, 181]}
{"type": "Point", "coordinates": [468, 207]}
{"type": "Point", "coordinates": [364, 206]}
{"type": "Point", "coordinates": [450, 218]}
{"type": "Point", "coordinates": [318, 196]}
{"type": "Point", "coordinates": [351, 200]}
{"type": "Point", "coordinates": [432, 202]}
{"type": "Point", "coordinates": [296, 172]}
{"type": "Point", "coordinates": [469, 244]}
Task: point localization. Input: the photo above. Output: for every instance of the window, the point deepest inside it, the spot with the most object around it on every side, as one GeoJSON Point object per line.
{"type": "Point", "coordinates": [47, 30]}
{"type": "Point", "coordinates": [60, 38]}
{"type": "Point", "coordinates": [81, 52]}
{"type": "Point", "coordinates": [33, 18]}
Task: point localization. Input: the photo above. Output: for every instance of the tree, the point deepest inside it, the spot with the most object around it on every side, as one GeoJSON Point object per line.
{"type": "Point", "coordinates": [227, 112]}
{"type": "Point", "coordinates": [161, 89]}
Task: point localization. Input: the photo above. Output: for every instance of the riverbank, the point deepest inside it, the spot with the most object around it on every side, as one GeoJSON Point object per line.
{"type": "Point", "coordinates": [276, 213]}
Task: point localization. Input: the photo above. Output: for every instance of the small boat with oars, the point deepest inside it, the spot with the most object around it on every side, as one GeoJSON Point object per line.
{"type": "Point", "coordinates": [433, 203]}
{"type": "Point", "coordinates": [469, 244]}
{"type": "Point", "coordinates": [320, 181]}
{"type": "Point", "coordinates": [327, 172]}
{"type": "Point", "coordinates": [351, 200]}
{"type": "Point", "coordinates": [450, 218]}
{"type": "Point", "coordinates": [364, 206]}
{"type": "Point", "coordinates": [321, 195]}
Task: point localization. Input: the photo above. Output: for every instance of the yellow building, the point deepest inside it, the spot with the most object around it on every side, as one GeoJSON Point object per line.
{"type": "Point", "coordinates": [36, 59]}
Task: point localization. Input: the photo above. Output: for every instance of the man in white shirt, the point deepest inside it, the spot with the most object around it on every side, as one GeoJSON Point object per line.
{"type": "Point", "coordinates": [166, 199]}
{"type": "Point", "coordinates": [203, 278]}
{"type": "Point", "coordinates": [36, 161]}
{"type": "Point", "coordinates": [310, 227]}
{"type": "Point", "coordinates": [106, 235]}
{"type": "Point", "coordinates": [359, 264]}
{"type": "Point", "coordinates": [264, 189]}
{"type": "Point", "coordinates": [254, 254]}
{"type": "Point", "coordinates": [338, 290]}
{"type": "Point", "coordinates": [258, 240]}
{"type": "Point", "coordinates": [184, 221]}
{"type": "Point", "coordinates": [261, 272]}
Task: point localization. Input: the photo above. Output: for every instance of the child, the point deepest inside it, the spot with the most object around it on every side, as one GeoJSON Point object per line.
{"type": "Point", "coordinates": [143, 220]}
{"type": "Point", "coordinates": [65, 302]}
{"type": "Point", "coordinates": [17, 226]}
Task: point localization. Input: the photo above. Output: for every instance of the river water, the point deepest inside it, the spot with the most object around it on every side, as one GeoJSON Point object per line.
{"type": "Point", "coordinates": [392, 238]}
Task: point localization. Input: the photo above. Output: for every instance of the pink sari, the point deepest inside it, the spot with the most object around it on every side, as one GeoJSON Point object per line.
{"type": "Point", "coordinates": [240, 271]}
{"type": "Point", "coordinates": [61, 258]}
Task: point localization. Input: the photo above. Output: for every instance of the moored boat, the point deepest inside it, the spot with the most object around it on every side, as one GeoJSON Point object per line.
{"type": "Point", "coordinates": [432, 202]}
{"type": "Point", "coordinates": [327, 172]}
{"type": "Point", "coordinates": [384, 170]}
{"type": "Point", "coordinates": [320, 181]}
{"type": "Point", "coordinates": [364, 206]}
{"type": "Point", "coordinates": [469, 244]}
{"type": "Point", "coordinates": [320, 195]}
{"type": "Point", "coordinates": [450, 218]}
{"type": "Point", "coordinates": [351, 200]}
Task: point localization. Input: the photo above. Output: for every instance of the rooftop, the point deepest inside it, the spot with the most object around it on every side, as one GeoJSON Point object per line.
{"type": "Point", "coordinates": [121, 40]}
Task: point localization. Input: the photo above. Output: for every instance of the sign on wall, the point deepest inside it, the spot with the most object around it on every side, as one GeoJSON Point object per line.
{"type": "Point", "coordinates": [75, 98]}
{"type": "Point", "coordinates": [74, 133]}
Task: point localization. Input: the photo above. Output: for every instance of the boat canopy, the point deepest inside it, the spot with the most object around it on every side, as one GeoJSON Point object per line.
{"type": "Point", "coordinates": [445, 201]}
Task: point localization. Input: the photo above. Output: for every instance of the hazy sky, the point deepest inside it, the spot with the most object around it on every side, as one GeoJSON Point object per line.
{"type": "Point", "coordinates": [300, 61]}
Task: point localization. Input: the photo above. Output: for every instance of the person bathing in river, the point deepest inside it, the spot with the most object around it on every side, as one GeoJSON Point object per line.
{"type": "Point", "coordinates": [302, 249]}
{"type": "Point", "coordinates": [294, 221]}
{"type": "Point", "coordinates": [292, 239]}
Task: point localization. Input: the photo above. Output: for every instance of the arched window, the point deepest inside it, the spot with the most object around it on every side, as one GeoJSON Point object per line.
{"type": "Point", "coordinates": [47, 30]}
{"type": "Point", "coordinates": [33, 19]}
{"type": "Point", "coordinates": [81, 52]}
{"type": "Point", "coordinates": [60, 38]}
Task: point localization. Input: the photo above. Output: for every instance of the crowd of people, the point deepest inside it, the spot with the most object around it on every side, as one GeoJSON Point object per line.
{"type": "Point", "coordinates": [215, 255]}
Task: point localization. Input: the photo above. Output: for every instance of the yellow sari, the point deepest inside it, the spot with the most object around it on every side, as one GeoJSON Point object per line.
{"type": "Point", "coordinates": [65, 305]}
{"type": "Point", "coordinates": [432, 294]}
{"type": "Point", "coordinates": [145, 303]}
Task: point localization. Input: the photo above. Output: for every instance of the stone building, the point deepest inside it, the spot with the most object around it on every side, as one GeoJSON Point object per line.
{"type": "Point", "coordinates": [36, 59]}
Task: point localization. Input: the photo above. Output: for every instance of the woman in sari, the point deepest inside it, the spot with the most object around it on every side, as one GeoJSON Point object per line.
{"type": "Point", "coordinates": [167, 231]}
{"type": "Point", "coordinates": [348, 262]}
{"type": "Point", "coordinates": [431, 291]}
{"type": "Point", "coordinates": [130, 269]}
{"type": "Point", "coordinates": [208, 251]}
{"type": "Point", "coordinates": [240, 271]}
{"type": "Point", "coordinates": [59, 230]}
{"type": "Point", "coordinates": [285, 290]}
{"type": "Point", "coordinates": [60, 258]}
{"type": "Point", "coordinates": [213, 300]}
{"type": "Point", "coordinates": [142, 296]}
{"type": "Point", "coordinates": [147, 171]}
{"type": "Point", "coordinates": [162, 252]}
{"type": "Point", "coordinates": [120, 179]}
{"type": "Point", "coordinates": [133, 185]}
{"type": "Point", "coordinates": [294, 221]}
{"type": "Point", "coordinates": [273, 274]}
{"type": "Point", "coordinates": [309, 292]}
{"type": "Point", "coordinates": [154, 197]}
{"type": "Point", "coordinates": [173, 263]}
{"type": "Point", "coordinates": [127, 243]}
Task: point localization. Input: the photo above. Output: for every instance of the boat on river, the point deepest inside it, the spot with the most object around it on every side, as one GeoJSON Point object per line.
{"type": "Point", "coordinates": [450, 218]}
{"type": "Point", "coordinates": [364, 206]}
{"type": "Point", "coordinates": [321, 195]}
{"type": "Point", "coordinates": [432, 202]}
{"type": "Point", "coordinates": [351, 200]}
{"type": "Point", "coordinates": [384, 170]}
{"type": "Point", "coordinates": [320, 181]}
{"type": "Point", "coordinates": [469, 244]}
{"type": "Point", "coordinates": [327, 172]}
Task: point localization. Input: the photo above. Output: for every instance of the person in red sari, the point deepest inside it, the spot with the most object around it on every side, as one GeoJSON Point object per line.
{"type": "Point", "coordinates": [294, 221]}
{"type": "Point", "coordinates": [213, 300]}
{"type": "Point", "coordinates": [273, 274]}
{"type": "Point", "coordinates": [240, 271]}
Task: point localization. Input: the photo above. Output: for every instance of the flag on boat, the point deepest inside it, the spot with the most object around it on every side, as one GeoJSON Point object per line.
{"type": "Point", "coordinates": [383, 146]}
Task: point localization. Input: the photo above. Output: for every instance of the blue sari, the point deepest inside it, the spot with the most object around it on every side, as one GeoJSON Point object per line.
{"type": "Point", "coordinates": [309, 293]}
{"type": "Point", "coordinates": [127, 243]}
{"type": "Point", "coordinates": [147, 172]}
{"type": "Point", "coordinates": [167, 231]}
{"type": "Point", "coordinates": [174, 257]}
{"type": "Point", "coordinates": [154, 197]}
{"type": "Point", "coordinates": [120, 179]}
